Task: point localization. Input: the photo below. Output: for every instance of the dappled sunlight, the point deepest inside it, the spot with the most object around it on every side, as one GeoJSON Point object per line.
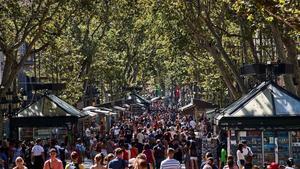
{"type": "Point", "coordinates": [49, 106]}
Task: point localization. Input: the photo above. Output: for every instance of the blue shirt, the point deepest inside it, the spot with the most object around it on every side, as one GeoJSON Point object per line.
{"type": "Point", "coordinates": [117, 163]}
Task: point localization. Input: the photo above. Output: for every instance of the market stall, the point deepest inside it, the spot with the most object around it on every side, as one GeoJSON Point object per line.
{"type": "Point", "coordinates": [48, 117]}
{"type": "Point", "coordinates": [268, 118]}
{"type": "Point", "coordinates": [197, 107]}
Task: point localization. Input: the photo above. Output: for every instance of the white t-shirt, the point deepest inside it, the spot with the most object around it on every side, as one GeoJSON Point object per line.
{"type": "Point", "coordinates": [37, 150]}
{"type": "Point", "coordinates": [140, 138]}
{"type": "Point", "coordinates": [193, 124]}
{"type": "Point", "coordinates": [239, 155]}
{"type": "Point", "coordinates": [116, 131]}
{"type": "Point", "coordinates": [247, 151]}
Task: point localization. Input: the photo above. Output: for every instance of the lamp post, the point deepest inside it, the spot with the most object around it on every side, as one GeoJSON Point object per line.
{"type": "Point", "coordinates": [9, 105]}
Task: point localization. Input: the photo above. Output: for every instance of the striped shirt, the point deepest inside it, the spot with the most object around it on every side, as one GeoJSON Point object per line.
{"type": "Point", "coordinates": [170, 164]}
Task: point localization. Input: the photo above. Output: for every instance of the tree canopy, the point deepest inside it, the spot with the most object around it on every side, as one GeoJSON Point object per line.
{"type": "Point", "coordinates": [118, 43]}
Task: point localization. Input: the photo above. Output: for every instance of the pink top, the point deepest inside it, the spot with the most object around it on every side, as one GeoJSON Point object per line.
{"type": "Point", "coordinates": [234, 167]}
{"type": "Point", "coordinates": [53, 164]}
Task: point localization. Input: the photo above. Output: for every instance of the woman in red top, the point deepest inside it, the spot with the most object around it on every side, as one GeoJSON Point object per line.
{"type": "Point", "coordinates": [133, 151]}
{"type": "Point", "coordinates": [149, 154]}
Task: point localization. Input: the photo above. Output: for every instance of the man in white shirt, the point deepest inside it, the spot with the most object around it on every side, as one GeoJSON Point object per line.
{"type": "Point", "coordinates": [37, 155]}
{"type": "Point", "coordinates": [193, 124]}
{"type": "Point", "coordinates": [140, 136]}
{"type": "Point", "coordinates": [170, 162]}
{"type": "Point", "coordinates": [246, 150]}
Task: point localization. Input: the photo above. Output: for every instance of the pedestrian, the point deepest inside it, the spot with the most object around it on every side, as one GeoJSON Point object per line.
{"type": "Point", "coordinates": [159, 151]}
{"type": "Point", "coordinates": [186, 154]}
{"type": "Point", "coordinates": [223, 156]}
{"type": "Point", "coordinates": [74, 164]}
{"type": "Point", "coordinates": [118, 162]}
{"type": "Point", "coordinates": [273, 165]}
{"type": "Point", "coordinates": [206, 157]}
{"type": "Point", "coordinates": [248, 162]}
{"type": "Point", "coordinates": [53, 162]}
{"type": "Point", "coordinates": [246, 149]}
{"type": "Point", "coordinates": [170, 162]}
{"type": "Point", "coordinates": [80, 149]}
{"type": "Point", "coordinates": [38, 155]}
{"type": "Point", "coordinates": [133, 151]}
{"type": "Point", "coordinates": [193, 154]}
{"type": "Point", "coordinates": [108, 158]}
{"type": "Point", "coordinates": [19, 163]}
{"type": "Point", "coordinates": [240, 156]}
{"type": "Point", "coordinates": [62, 154]}
{"type": "Point", "coordinates": [3, 158]}
{"type": "Point", "coordinates": [149, 154]}
{"type": "Point", "coordinates": [209, 163]}
{"type": "Point", "coordinates": [27, 154]}
{"type": "Point", "coordinates": [290, 163]}
{"type": "Point", "coordinates": [99, 162]}
{"type": "Point", "coordinates": [17, 151]}
{"type": "Point", "coordinates": [140, 138]}
{"type": "Point", "coordinates": [139, 162]}
{"type": "Point", "coordinates": [230, 163]}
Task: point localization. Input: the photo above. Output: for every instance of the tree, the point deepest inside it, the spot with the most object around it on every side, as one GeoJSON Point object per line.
{"type": "Point", "coordinates": [31, 24]}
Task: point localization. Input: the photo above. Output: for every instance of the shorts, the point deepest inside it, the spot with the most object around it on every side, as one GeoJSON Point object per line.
{"type": "Point", "coordinates": [193, 158]}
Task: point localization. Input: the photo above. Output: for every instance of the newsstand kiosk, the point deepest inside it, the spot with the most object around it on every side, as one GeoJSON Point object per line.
{"type": "Point", "coordinates": [268, 117]}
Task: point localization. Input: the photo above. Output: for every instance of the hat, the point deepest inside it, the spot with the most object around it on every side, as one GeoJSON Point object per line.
{"type": "Point", "coordinates": [52, 150]}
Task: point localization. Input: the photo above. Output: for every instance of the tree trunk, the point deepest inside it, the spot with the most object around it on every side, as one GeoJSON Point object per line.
{"type": "Point", "coordinates": [227, 59]}
{"type": "Point", "coordinates": [288, 80]}
{"type": "Point", "coordinates": [291, 47]}
{"type": "Point", "coordinates": [247, 35]}
{"type": "Point", "coordinates": [223, 70]}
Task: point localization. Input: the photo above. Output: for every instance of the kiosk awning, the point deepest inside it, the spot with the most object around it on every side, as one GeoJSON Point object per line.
{"type": "Point", "coordinates": [50, 106]}
{"type": "Point", "coordinates": [266, 104]}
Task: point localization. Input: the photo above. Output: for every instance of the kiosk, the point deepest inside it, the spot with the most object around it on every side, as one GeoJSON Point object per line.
{"type": "Point", "coordinates": [268, 117]}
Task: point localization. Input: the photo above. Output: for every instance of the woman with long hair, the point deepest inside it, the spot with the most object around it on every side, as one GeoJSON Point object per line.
{"type": "Point", "coordinates": [149, 154]}
{"type": "Point", "coordinates": [141, 162]}
{"type": "Point", "coordinates": [240, 156]}
{"type": "Point", "coordinates": [19, 163]}
{"type": "Point", "coordinates": [230, 163]}
{"type": "Point", "coordinates": [99, 162]}
{"type": "Point", "coordinates": [108, 158]}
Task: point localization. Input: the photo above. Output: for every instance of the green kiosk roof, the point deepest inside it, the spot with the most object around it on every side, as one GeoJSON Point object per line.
{"type": "Point", "coordinates": [267, 105]}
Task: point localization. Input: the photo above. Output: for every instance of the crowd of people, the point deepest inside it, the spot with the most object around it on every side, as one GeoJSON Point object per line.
{"type": "Point", "coordinates": [162, 139]}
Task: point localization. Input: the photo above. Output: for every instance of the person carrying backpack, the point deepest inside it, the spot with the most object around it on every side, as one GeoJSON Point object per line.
{"type": "Point", "coordinates": [159, 153]}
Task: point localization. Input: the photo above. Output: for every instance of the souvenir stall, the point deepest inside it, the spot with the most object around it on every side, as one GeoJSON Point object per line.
{"type": "Point", "coordinates": [268, 118]}
{"type": "Point", "coordinates": [197, 108]}
{"type": "Point", "coordinates": [48, 118]}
